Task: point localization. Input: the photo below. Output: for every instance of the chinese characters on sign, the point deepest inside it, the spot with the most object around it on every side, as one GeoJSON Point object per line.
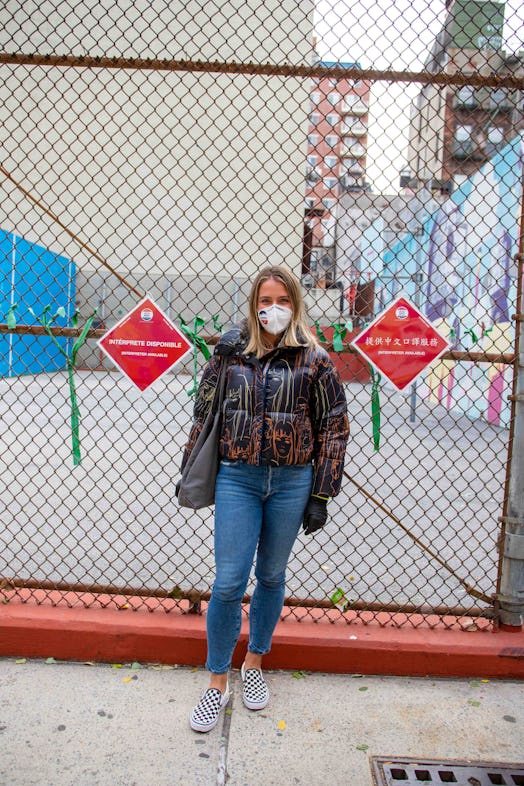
{"type": "Point", "coordinates": [145, 344]}
{"type": "Point", "coordinates": [400, 343]}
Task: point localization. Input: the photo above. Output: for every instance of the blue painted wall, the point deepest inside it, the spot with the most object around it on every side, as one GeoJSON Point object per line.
{"type": "Point", "coordinates": [33, 277]}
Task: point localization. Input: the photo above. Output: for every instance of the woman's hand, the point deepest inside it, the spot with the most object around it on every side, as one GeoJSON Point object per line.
{"type": "Point", "coordinates": [315, 514]}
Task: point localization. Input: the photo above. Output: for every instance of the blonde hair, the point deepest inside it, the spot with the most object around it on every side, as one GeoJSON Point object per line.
{"type": "Point", "coordinates": [298, 333]}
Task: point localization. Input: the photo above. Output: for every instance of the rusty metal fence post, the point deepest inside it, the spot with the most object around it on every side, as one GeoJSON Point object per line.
{"type": "Point", "coordinates": [511, 592]}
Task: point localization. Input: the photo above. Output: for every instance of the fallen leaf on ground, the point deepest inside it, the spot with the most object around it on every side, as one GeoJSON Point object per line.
{"type": "Point", "coordinates": [162, 667]}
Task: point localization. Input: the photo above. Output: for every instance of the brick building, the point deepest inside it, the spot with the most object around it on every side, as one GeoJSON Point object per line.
{"type": "Point", "coordinates": [455, 130]}
{"type": "Point", "coordinates": [336, 162]}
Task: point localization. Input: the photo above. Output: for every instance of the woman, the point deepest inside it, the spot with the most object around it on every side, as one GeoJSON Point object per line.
{"type": "Point", "coordinates": [284, 434]}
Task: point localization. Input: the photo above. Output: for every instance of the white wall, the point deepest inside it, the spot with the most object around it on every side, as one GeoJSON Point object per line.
{"type": "Point", "coordinates": [159, 171]}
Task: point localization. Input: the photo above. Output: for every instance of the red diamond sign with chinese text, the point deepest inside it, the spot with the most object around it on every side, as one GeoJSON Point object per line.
{"type": "Point", "coordinates": [145, 344]}
{"type": "Point", "coordinates": [400, 343]}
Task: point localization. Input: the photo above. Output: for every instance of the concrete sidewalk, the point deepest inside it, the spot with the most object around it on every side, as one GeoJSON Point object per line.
{"type": "Point", "coordinates": [76, 724]}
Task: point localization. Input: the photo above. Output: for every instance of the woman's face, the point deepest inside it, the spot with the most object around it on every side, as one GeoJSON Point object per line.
{"type": "Point", "coordinates": [271, 293]}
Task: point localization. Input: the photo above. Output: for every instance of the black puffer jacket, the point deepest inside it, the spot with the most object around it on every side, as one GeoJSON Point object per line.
{"type": "Point", "coordinates": [289, 407]}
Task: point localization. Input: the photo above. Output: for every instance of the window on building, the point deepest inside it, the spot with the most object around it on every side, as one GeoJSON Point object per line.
{"type": "Point", "coordinates": [312, 160]}
{"type": "Point", "coordinates": [495, 139]}
{"type": "Point", "coordinates": [353, 148]}
{"type": "Point", "coordinates": [499, 98]}
{"type": "Point", "coordinates": [331, 140]}
{"type": "Point", "coordinates": [352, 166]}
{"type": "Point", "coordinates": [312, 175]}
{"type": "Point", "coordinates": [355, 122]}
{"type": "Point", "coordinates": [462, 142]}
{"type": "Point", "coordinates": [315, 97]}
{"type": "Point", "coordinates": [353, 104]}
{"type": "Point", "coordinates": [466, 96]}
{"type": "Point", "coordinates": [314, 118]}
{"type": "Point", "coordinates": [331, 161]}
{"type": "Point", "coordinates": [328, 203]}
{"type": "Point", "coordinates": [334, 98]}
{"type": "Point", "coordinates": [313, 139]}
{"type": "Point", "coordinates": [351, 181]}
{"type": "Point", "coordinates": [332, 119]}
{"type": "Point", "coordinates": [330, 183]}
{"type": "Point", "coordinates": [309, 201]}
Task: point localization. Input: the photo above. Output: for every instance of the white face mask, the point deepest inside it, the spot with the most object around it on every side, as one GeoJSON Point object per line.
{"type": "Point", "coordinates": [274, 319]}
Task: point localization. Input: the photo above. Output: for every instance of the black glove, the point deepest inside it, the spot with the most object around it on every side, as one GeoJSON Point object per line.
{"type": "Point", "coordinates": [315, 514]}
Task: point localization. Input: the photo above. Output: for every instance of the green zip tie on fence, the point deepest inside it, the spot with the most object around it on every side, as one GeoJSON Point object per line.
{"type": "Point", "coordinates": [339, 334]}
{"type": "Point", "coordinates": [198, 344]}
{"type": "Point", "coordinates": [473, 335]}
{"type": "Point", "coordinates": [375, 406]}
{"type": "Point", "coordinates": [320, 335]}
{"type": "Point", "coordinates": [46, 320]}
{"type": "Point", "coordinates": [71, 362]}
{"type": "Point", "coordinates": [10, 317]}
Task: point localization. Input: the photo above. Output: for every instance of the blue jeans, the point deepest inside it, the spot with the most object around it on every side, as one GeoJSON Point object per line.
{"type": "Point", "coordinates": [256, 509]}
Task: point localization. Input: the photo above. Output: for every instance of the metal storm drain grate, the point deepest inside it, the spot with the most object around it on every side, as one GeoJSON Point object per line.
{"type": "Point", "coordinates": [412, 771]}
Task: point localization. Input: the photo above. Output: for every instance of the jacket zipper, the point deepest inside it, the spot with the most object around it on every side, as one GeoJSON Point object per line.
{"type": "Point", "coordinates": [265, 369]}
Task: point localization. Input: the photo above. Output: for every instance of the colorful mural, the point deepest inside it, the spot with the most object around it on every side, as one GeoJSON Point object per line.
{"type": "Point", "coordinates": [462, 258]}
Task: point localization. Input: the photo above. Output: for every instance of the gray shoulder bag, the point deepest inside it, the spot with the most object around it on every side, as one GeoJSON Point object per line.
{"type": "Point", "coordinates": [197, 485]}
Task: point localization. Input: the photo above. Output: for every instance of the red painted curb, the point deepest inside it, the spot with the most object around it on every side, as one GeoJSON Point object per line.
{"type": "Point", "coordinates": [112, 635]}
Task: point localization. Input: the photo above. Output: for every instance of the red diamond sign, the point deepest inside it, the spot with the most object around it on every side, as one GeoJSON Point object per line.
{"type": "Point", "coordinates": [400, 343]}
{"type": "Point", "coordinates": [145, 344]}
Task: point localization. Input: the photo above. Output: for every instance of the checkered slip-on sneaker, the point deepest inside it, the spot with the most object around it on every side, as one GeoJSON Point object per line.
{"type": "Point", "coordinates": [204, 716]}
{"type": "Point", "coordinates": [256, 692]}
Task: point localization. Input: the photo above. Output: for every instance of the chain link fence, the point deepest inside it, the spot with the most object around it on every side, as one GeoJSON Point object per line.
{"type": "Point", "coordinates": [172, 150]}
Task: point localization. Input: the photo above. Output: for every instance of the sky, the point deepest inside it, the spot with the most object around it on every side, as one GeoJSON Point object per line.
{"type": "Point", "coordinates": [391, 34]}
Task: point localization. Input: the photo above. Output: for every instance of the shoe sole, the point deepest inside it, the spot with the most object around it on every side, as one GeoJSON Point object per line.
{"type": "Point", "coordinates": [200, 727]}
{"type": "Point", "coordinates": [259, 705]}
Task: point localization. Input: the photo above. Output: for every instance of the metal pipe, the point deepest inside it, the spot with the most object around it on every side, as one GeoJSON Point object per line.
{"type": "Point", "coordinates": [265, 69]}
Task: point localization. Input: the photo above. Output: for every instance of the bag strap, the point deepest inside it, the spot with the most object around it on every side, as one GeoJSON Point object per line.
{"type": "Point", "coordinates": [220, 389]}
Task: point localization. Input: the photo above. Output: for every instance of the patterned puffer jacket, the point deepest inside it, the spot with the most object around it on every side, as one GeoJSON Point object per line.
{"type": "Point", "coordinates": [288, 407]}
